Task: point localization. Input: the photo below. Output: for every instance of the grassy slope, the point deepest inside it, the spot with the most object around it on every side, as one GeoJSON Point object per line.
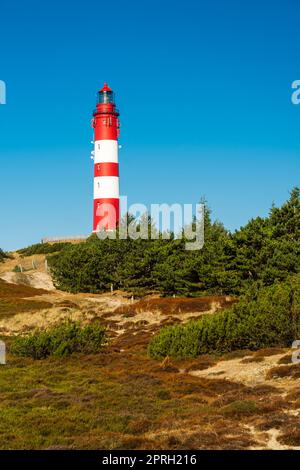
{"type": "Point", "coordinates": [121, 399]}
{"type": "Point", "coordinates": [13, 299]}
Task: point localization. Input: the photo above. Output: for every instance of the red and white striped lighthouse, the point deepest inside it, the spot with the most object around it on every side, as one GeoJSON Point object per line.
{"type": "Point", "coordinates": [106, 164]}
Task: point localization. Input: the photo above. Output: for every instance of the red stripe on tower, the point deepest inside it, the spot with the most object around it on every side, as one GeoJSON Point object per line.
{"type": "Point", "coordinates": [106, 166]}
{"type": "Point", "coordinates": [106, 169]}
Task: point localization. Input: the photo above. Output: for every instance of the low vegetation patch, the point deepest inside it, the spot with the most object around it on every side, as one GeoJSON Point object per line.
{"type": "Point", "coordinates": [266, 318]}
{"type": "Point", "coordinates": [13, 299]}
{"type": "Point", "coordinates": [43, 248]}
{"type": "Point", "coordinates": [291, 435]}
{"type": "Point", "coordinates": [178, 305]}
{"type": "Point", "coordinates": [292, 371]}
{"type": "Point", "coordinates": [240, 408]}
{"type": "Point", "coordinates": [61, 340]}
{"type": "Point", "coordinates": [11, 307]}
{"type": "Point", "coordinates": [13, 291]}
{"type": "Point", "coordinates": [116, 400]}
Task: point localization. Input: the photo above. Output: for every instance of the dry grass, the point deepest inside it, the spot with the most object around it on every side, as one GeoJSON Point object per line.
{"type": "Point", "coordinates": [123, 400]}
{"type": "Point", "coordinates": [291, 434]}
{"type": "Point", "coordinates": [13, 299]}
{"type": "Point", "coordinates": [13, 291]}
{"type": "Point", "coordinates": [178, 305]}
{"type": "Point", "coordinates": [290, 371]}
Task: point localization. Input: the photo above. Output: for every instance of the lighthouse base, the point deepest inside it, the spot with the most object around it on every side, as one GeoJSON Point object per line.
{"type": "Point", "coordinates": [106, 214]}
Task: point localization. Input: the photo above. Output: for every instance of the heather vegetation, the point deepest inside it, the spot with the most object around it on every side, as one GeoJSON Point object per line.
{"type": "Point", "coordinates": [17, 298]}
{"type": "Point", "coordinates": [124, 401]}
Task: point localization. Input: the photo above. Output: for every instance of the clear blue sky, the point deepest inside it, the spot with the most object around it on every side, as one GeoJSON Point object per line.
{"type": "Point", "coordinates": [204, 90]}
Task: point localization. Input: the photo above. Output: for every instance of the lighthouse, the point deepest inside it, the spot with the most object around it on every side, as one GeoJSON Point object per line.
{"type": "Point", "coordinates": [106, 164]}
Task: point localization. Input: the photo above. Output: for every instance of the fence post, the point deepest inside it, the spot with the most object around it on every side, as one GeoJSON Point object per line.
{"type": "Point", "coordinates": [2, 353]}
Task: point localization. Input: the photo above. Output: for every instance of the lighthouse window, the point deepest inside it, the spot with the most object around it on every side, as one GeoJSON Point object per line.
{"type": "Point", "coordinates": [106, 97]}
{"type": "Point", "coordinates": [99, 167]}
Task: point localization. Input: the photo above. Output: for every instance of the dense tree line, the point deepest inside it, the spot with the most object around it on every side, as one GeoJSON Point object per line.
{"type": "Point", "coordinates": [265, 250]}
{"type": "Point", "coordinates": [262, 252]}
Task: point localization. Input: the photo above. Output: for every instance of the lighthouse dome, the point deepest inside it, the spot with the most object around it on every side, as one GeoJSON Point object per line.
{"type": "Point", "coordinates": [106, 95]}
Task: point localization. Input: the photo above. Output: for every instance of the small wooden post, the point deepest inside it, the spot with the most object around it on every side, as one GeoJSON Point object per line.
{"type": "Point", "coordinates": [2, 353]}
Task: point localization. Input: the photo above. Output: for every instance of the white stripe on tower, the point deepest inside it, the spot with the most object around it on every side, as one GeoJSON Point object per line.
{"type": "Point", "coordinates": [106, 187]}
{"type": "Point", "coordinates": [106, 151]}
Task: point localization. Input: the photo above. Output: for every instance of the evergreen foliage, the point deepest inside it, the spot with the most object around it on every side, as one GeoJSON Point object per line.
{"type": "Point", "coordinates": [43, 248]}
{"type": "Point", "coordinates": [3, 256]}
{"type": "Point", "coordinates": [263, 318]}
{"type": "Point", "coordinates": [262, 252]}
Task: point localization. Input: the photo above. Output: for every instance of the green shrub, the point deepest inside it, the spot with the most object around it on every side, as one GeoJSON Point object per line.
{"type": "Point", "coordinates": [240, 408]}
{"type": "Point", "coordinates": [43, 248]}
{"type": "Point", "coordinates": [3, 255]}
{"type": "Point", "coordinates": [61, 340]}
{"type": "Point", "coordinates": [17, 269]}
{"type": "Point", "coordinates": [265, 318]}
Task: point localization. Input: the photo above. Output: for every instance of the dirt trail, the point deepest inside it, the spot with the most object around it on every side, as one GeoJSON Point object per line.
{"type": "Point", "coordinates": [29, 271]}
{"type": "Point", "coordinates": [250, 373]}
{"type": "Point", "coordinates": [38, 280]}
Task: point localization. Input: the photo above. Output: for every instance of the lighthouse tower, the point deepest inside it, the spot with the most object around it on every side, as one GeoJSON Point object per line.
{"type": "Point", "coordinates": [106, 165]}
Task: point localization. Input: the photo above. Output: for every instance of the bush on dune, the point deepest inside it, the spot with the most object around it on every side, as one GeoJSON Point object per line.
{"type": "Point", "coordinates": [61, 340]}
{"type": "Point", "coordinates": [268, 317]}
